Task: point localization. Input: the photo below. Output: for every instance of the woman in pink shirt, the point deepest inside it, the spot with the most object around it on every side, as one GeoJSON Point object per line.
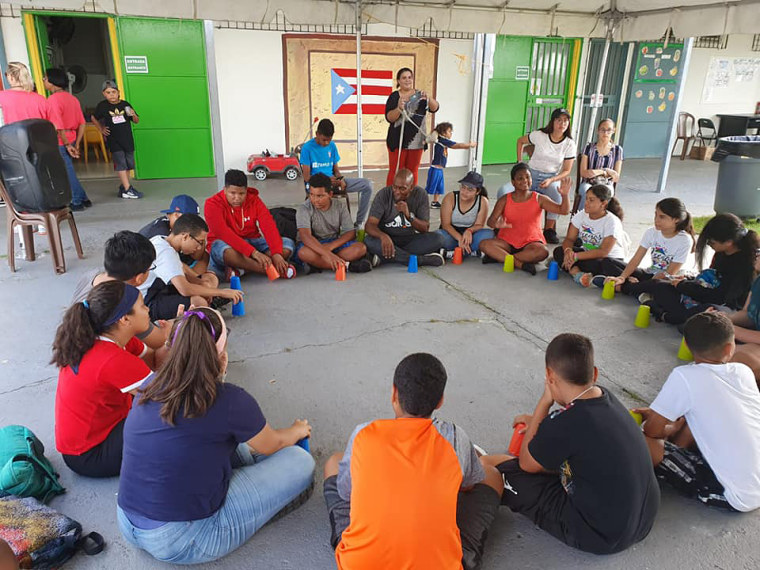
{"type": "Point", "coordinates": [20, 101]}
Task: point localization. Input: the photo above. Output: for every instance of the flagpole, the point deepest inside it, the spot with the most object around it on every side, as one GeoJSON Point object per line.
{"type": "Point", "coordinates": [359, 157]}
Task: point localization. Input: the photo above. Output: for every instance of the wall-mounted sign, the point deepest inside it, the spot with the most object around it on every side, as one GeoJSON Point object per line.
{"type": "Point", "coordinates": [522, 72]}
{"type": "Point", "coordinates": [136, 63]}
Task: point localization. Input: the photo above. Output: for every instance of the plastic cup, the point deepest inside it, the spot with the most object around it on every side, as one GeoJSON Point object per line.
{"type": "Point", "coordinates": [340, 273]}
{"type": "Point", "coordinates": [637, 417]}
{"type": "Point", "coordinates": [683, 351]}
{"type": "Point", "coordinates": [457, 256]}
{"type": "Point", "coordinates": [608, 292]}
{"type": "Point", "coordinates": [516, 442]}
{"type": "Point", "coordinates": [238, 309]}
{"type": "Point", "coordinates": [360, 235]}
{"type": "Point", "coordinates": [553, 273]}
{"type": "Point", "coordinates": [412, 264]}
{"type": "Point", "coordinates": [304, 443]}
{"type": "Point", "coordinates": [642, 317]}
{"type": "Point", "coordinates": [509, 263]}
{"type": "Point", "coordinates": [272, 272]}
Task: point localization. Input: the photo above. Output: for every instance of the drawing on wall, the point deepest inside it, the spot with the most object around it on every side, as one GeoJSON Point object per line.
{"type": "Point", "coordinates": [662, 107]}
{"type": "Point", "coordinates": [745, 69]}
{"type": "Point", "coordinates": [723, 73]}
{"type": "Point", "coordinates": [671, 96]}
{"type": "Point", "coordinates": [650, 110]}
{"type": "Point", "coordinates": [639, 93]}
{"type": "Point", "coordinates": [651, 95]}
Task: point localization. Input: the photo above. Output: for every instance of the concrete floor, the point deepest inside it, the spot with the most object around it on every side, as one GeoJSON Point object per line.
{"type": "Point", "coordinates": [326, 351]}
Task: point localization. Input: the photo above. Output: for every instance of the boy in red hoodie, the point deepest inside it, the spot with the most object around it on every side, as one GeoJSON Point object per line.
{"type": "Point", "coordinates": [237, 218]}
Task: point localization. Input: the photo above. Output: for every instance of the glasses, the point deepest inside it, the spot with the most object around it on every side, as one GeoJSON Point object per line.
{"type": "Point", "coordinates": [606, 130]}
{"type": "Point", "coordinates": [200, 243]}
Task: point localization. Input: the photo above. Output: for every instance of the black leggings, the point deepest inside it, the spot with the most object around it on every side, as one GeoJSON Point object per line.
{"type": "Point", "coordinates": [609, 266]}
{"type": "Point", "coordinates": [103, 460]}
{"type": "Point", "coordinates": [666, 303]}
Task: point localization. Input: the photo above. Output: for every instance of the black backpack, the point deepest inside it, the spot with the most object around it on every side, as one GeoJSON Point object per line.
{"type": "Point", "coordinates": [285, 219]}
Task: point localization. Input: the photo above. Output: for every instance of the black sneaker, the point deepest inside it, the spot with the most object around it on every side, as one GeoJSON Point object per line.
{"type": "Point", "coordinates": [598, 281]}
{"type": "Point", "coordinates": [487, 259]}
{"type": "Point", "coordinates": [130, 193]}
{"type": "Point", "coordinates": [87, 203]}
{"type": "Point", "coordinates": [76, 207]}
{"type": "Point", "coordinates": [435, 205]}
{"type": "Point", "coordinates": [529, 268]}
{"type": "Point", "coordinates": [360, 265]}
{"type": "Point", "coordinates": [432, 260]}
{"type": "Point", "coordinates": [219, 302]}
{"type": "Point", "coordinates": [374, 259]}
{"type": "Point", "coordinates": [550, 235]}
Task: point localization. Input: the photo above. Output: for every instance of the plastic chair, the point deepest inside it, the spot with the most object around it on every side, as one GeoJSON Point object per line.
{"type": "Point", "coordinates": [706, 138]}
{"type": "Point", "coordinates": [52, 222]}
{"type": "Point", "coordinates": [93, 136]}
{"type": "Point", "coordinates": [684, 132]}
{"type": "Point", "coordinates": [336, 192]}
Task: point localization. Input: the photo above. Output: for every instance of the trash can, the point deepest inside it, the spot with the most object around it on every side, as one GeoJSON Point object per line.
{"type": "Point", "coordinates": [738, 188]}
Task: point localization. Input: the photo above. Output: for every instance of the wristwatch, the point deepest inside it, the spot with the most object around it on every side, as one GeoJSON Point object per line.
{"type": "Point", "coordinates": [411, 216]}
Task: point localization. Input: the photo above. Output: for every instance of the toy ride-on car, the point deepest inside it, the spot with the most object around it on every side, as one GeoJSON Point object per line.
{"type": "Point", "coordinates": [266, 163]}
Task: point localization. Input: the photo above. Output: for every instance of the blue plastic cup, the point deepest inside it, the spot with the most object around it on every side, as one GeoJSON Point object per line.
{"type": "Point", "coordinates": [553, 274]}
{"type": "Point", "coordinates": [412, 264]}
{"type": "Point", "coordinates": [238, 309]}
{"type": "Point", "coordinates": [304, 443]}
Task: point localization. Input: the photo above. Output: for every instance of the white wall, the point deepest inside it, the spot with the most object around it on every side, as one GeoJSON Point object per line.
{"type": "Point", "coordinates": [14, 40]}
{"type": "Point", "coordinates": [250, 76]}
{"type": "Point", "coordinates": [737, 98]}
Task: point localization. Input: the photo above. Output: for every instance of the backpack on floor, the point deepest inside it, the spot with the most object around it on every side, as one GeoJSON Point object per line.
{"type": "Point", "coordinates": [41, 537]}
{"type": "Point", "coordinates": [285, 220]}
{"type": "Point", "coordinates": [24, 469]}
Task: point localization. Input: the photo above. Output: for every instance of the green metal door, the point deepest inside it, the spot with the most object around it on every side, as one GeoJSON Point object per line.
{"type": "Point", "coordinates": [550, 74]}
{"type": "Point", "coordinates": [164, 63]}
{"type": "Point", "coordinates": [507, 97]}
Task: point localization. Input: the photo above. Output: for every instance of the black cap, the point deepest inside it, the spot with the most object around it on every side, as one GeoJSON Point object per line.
{"type": "Point", "coordinates": [472, 179]}
{"type": "Point", "coordinates": [559, 112]}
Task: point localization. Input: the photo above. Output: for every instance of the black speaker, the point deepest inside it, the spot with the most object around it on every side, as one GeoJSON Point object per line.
{"type": "Point", "coordinates": [31, 166]}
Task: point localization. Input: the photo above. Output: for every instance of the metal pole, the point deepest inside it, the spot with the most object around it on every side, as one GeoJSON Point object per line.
{"type": "Point", "coordinates": [474, 161]}
{"type": "Point", "coordinates": [599, 81]}
{"type": "Point", "coordinates": [359, 156]}
{"type": "Point", "coordinates": [213, 95]}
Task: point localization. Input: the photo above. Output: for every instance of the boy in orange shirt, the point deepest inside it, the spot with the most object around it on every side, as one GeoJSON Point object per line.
{"type": "Point", "coordinates": [411, 492]}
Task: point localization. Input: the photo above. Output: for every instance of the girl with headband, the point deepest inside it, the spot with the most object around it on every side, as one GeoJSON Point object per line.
{"type": "Point", "coordinates": [101, 364]}
{"type": "Point", "coordinates": [203, 470]}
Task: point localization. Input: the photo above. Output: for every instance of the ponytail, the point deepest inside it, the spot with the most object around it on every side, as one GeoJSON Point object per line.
{"type": "Point", "coordinates": [83, 322]}
{"type": "Point", "coordinates": [674, 208]}
{"type": "Point", "coordinates": [614, 207]}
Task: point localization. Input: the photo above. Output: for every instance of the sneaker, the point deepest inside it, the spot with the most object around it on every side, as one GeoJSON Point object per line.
{"type": "Point", "coordinates": [598, 281]}
{"type": "Point", "coordinates": [76, 207]}
{"type": "Point", "coordinates": [229, 273]}
{"type": "Point", "coordinates": [479, 450]}
{"type": "Point", "coordinates": [432, 260]}
{"type": "Point", "coordinates": [529, 268]}
{"type": "Point", "coordinates": [644, 298]}
{"type": "Point", "coordinates": [435, 205]}
{"type": "Point", "coordinates": [360, 265]}
{"type": "Point", "coordinates": [486, 259]}
{"type": "Point", "coordinates": [583, 279]}
{"type": "Point", "coordinates": [550, 235]}
{"type": "Point", "coordinates": [130, 193]}
{"type": "Point", "coordinates": [86, 203]}
{"type": "Point", "coordinates": [374, 259]}
{"type": "Point", "coordinates": [291, 272]}
{"type": "Point", "coordinates": [219, 302]}
{"type": "Point", "coordinates": [447, 254]}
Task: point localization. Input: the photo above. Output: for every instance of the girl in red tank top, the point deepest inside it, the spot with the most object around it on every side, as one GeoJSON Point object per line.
{"type": "Point", "coordinates": [517, 217]}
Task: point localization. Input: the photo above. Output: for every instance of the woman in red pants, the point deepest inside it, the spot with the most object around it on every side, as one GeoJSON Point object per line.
{"type": "Point", "coordinates": [417, 104]}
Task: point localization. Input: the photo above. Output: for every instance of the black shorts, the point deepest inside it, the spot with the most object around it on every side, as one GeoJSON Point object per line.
{"type": "Point", "coordinates": [103, 460]}
{"type": "Point", "coordinates": [691, 475]}
{"type": "Point", "coordinates": [164, 300]}
{"type": "Point", "coordinates": [123, 160]}
{"type": "Point", "coordinates": [476, 510]}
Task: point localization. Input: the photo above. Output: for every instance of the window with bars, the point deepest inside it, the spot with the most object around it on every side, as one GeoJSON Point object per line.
{"type": "Point", "coordinates": [284, 26]}
{"type": "Point", "coordinates": [711, 42]}
{"type": "Point", "coordinates": [756, 42]}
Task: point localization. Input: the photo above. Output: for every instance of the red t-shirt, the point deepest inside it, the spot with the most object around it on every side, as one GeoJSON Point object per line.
{"type": "Point", "coordinates": [89, 403]}
{"type": "Point", "coordinates": [66, 114]}
{"type": "Point", "coordinates": [19, 105]}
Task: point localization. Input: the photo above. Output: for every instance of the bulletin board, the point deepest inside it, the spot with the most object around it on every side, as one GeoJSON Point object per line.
{"type": "Point", "coordinates": [728, 75]}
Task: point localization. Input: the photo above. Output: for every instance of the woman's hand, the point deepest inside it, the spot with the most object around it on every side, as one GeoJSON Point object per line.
{"type": "Point", "coordinates": [301, 429]}
{"type": "Point", "coordinates": [466, 240]}
{"type": "Point", "coordinates": [616, 280]}
{"type": "Point", "coordinates": [500, 223]}
{"type": "Point", "coordinates": [612, 174]}
{"type": "Point", "coordinates": [569, 259]}
{"type": "Point", "coordinates": [545, 183]}
{"type": "Point", "coordinates": [564, 186]}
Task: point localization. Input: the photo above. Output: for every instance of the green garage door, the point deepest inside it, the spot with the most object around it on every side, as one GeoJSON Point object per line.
{"type": "Point", "coordinates": [165, 79]}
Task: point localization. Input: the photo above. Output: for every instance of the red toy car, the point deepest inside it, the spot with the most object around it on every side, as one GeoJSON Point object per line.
{"type": "Point", "coordinates": [266, 163]}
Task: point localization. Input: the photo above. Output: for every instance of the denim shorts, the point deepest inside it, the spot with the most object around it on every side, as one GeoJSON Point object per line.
{"type": "Point", "coordinates": [336, 250]}
{"type": "Point", "coordinates": [216, 261]}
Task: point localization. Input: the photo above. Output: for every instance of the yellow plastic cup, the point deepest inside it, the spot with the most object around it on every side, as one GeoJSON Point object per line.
{"type": "Point", "coordinates": [608, 292]}
{"type": "Point", "coordinates": [509, 263]}
{"type": "Point", "coordinates": [683, 351]}
{"type": "Point", "coordinates": [636, 416]}
{"type": "Point", "coordinates": [642, 317]}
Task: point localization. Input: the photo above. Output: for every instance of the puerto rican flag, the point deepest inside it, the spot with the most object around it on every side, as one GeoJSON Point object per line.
{"type": "Point", "coordinates": [377, 85]}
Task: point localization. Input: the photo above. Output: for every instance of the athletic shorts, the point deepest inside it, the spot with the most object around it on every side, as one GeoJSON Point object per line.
{"type": "Point", "coordinates": [123, 160]}
{"type": "Point", "coordinates": [476, 510]}
{"type": "Point", "coordinates": [691, 475]}
{"type": "Point", "coordinates": [434, 184]}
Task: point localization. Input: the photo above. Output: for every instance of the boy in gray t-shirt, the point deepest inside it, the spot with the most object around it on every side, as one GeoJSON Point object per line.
{"type": "Point", "coordinates": [326, 233]}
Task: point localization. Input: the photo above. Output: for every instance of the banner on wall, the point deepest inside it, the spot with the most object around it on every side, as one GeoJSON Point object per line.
{"type": "Point", "coordinates": [320, 83]}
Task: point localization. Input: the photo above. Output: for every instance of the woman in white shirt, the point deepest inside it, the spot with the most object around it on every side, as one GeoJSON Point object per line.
{"type": "Point", "coordinates": [553, 156]}
{"type": "Point", "coordinates": [595, 238]}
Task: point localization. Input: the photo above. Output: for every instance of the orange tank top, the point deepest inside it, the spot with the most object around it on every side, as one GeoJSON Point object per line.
{"type": "Point", "coordinates": [525, 219]}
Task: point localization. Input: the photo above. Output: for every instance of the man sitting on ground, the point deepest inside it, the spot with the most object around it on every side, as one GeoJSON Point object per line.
{"type": "Point", "coordinates": [325, 233]}
{"type": "Point", "coordinates": [703, 428]}
{"type": "Point", "coordinates": [243, 235]}
{"type": "Point", "coordinates": [162, 226]}
{"type": "Point", "coordinates": [167, 286]}
{"type": "Point", "coordinates": [320, 155]}
{"type": "Point", "coordinates": [398, 224]}
{"type": "Point", "coordinates": [411, 492]}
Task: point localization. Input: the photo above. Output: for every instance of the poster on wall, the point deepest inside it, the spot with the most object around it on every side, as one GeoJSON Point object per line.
{"type": "Point", "coordinates": [320, 83]}
{"type": "Point", "coordinates": [658, 63]}
{"type": "Point", "coordinates": [723, 74]}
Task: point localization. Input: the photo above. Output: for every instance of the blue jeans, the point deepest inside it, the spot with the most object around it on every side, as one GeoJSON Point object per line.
{"type": "Point", "coordinates": [583, 188]}
{"type": "Point", "coordinates": [78, 195]}
{"type": "Point", "coordinates": [363, 187]}
{"type": "Point", "coordinates": [552, 191]}
{"type": "Point", "coordinates": [449, 243]}
{"type": "Point", "coordinates": [258, 490]}
{"type": "Point", "coordinates": [216, 256]}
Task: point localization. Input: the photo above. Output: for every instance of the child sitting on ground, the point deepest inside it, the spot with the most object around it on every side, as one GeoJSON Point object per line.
{"type": "Point", "coordinates": [434, 185]}
{"type": "Point", "coordinates": [584, 474]}
{"type": "Point", "coordinates": [703, 428]}
{"type": "Point", "coordinates": [407, 489]}
{"type": "Point", "coordinates": [747, 327]}
{"type": "Point", "coordinates": [326, 233]}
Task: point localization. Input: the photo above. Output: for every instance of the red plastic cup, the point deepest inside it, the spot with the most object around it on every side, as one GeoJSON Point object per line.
{"type": "Point", "coordinates": [516, 442]}
{"type": "Point", "coordinates": [340, 273]}
{"type": "Point", "coordinates": [272, 272]}
{"type": "Point", "coordinates": [457, 256]}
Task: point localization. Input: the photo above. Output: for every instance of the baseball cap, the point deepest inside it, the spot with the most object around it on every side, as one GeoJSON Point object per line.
{"type": "Point", "coordinates": [109, 84]}
{"type": "Point", "coordinates": [559, 112]}
{"type": "Point", "coordinates": [472, 179]}
{"type": "Point", "coordinates": [182, 204]}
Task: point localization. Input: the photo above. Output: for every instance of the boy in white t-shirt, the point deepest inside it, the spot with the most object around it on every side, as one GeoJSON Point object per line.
{"type": "Point", "coordinates": [703, 428]}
